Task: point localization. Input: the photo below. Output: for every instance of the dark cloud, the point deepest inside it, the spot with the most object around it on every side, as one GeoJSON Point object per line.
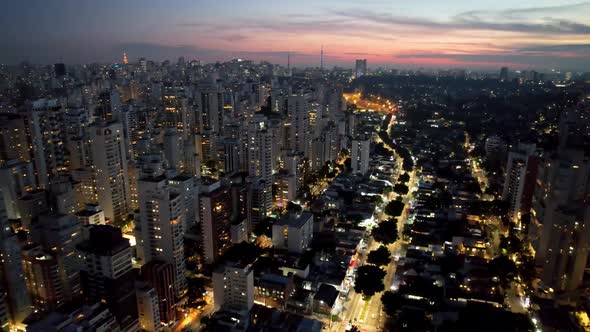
{"type": "Point", "coordinates": [234, 37]}
{"type": "Point", "coordinates": [483, 20]}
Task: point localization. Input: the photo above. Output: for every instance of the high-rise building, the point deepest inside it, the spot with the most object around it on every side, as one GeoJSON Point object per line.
{"type": "Point", "coordinates": [16, 179]}
{"type": "Point", "coordinates": [147, 308]}
{"type": "Point", "coordinates": [109, 164]}
{"type": "Point", "coordinates": [504, 74]}
{"type": "Point", "coordinates": [13, 279]}
{"type": "Point", "coordinates": [59, 235]}
{"type": "Point", "coordinates": [45, 135]}
{"type": "Point", "coordinates": [42, 275]}
{"type": "Point", "coordinates": [215, 212]}
{"type": "Point", "coordinates": [298, 125]}
{"type": "Point", "coordinates": [521, 174]}
{"type": "Point", "coordinates": [260, 160]}
{"type": "Point", "coordinates": [91, 215]}
{"type": "Point", "coordinates": [294, 232]}
{"type": "Point", "coordinates": [94, 317]}
{"type": "Point", "coordinates": [359, 156]}
{"type": "Point", "coordinates": [107, 274]}
{"type": "Point", "coordinates": [59, 69]}
{"type": "Point", "coordinates": [13, 138]}
{"type": "Point", "coordinates": [4, 319]}
{"type": "Point", "coordinates": [233, 287]}
{"type": "Point", "coordinates": [360, 68]}
{"type": "Point", "coordinates": [160, 276]}
{"type": "Point", "coordinates": [560, 225]}
{"type": "Point", "coordinates": [160, 227]}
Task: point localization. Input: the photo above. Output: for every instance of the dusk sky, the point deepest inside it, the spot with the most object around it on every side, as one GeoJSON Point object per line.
{"type": "Point", "coordinates": [540, 34]}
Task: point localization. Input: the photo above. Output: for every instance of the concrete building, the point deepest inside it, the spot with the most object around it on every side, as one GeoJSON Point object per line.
{"type": "Point", "coordinates": [560, 220]}
{"type": "Point", "coordinates": [147, 308]}
{"type": "Point", "coordinates": [44, 119]}
{"type": "Point", "coordinates": [215, 212]}
{"type": "Point", "coordinates": [293, 232]}
{"type": "Point", "coordinates": [107, 274]}
{"type": "Point", "coordinates": [4, 319]}
{"type": "Point", "coordinates": [160, 276]}
{"type": "Point", "coordinates": [109, 163]}
{"type": "Point", "coordinates": [360, 151]}
{"type": "Point", "coordinates": [298, 128]}
{"type": "Point", "coordinates": [91, 215]}
{"type": "Point", "coordinates": [233, 287]}
{"type": "Point", "coordinates": [42, 275]}
{"type": "Point", "coordinates": [159, 228]}
{"type": "Point", "coordinates": [59, 235]}
{"type": "Point", "coordinates": [360, 68]}
{"type": "Point", "coordinates": [94, 317]}
{"type": "Point", "coordinates": [16, 179]}
{"type": "Point", "coordinates": [521, 174]}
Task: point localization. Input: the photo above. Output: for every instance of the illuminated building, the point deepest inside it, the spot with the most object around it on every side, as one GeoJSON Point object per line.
{"type": "Point", "coordinates": [109, 165]}
{"type": "Point", "coordinates": [233, 287]}
{"type": "Point", "coordinates": [160, 276]}
{"type": "Point", "coordinates": [125, 60]}
{"type": "Point", "coordinates": [4, 320]}
{"type": "Point", "coordinates": [294, 232]}
{"type": "Point", "coordinates": [147, 308]}
{"type": "Point", "coordinates": [45, 135]}
{"type": "Point", "coordinates": [31, 205]}
{"type": "Point", "coordinates": [298, 129]}
{"type": "Point", "coordinates": [560, 225]}
{"type": "Point", "coordinates": [521, 173]}
{"type": "Point", "coordinates": [260, 161]}
{"type": "Point", "coordinates": [91, 215]}
{"type": "Point", "coordinates": [359, 157]}
{"type": "Point", "coordinates": [160, 226]}
{"type": "Point", "coordinates": [215, 212]}
{"type": "Point", "coordinates": [273, 290]}
{"type": "Point", "coordinates": [360, 68]}
{"type": "Point", "coordinates": [13, 138]}
{"type": "Point", "coordinates": [13, 278]}
{"type": "Point", "coordinates": [16, 179]}
{"type": "Point", "coordinates": [59, 235]}
{"type": "Point", "coordinates": [107, 274]}
{"type": "Point", "coordinates": [43, 278]}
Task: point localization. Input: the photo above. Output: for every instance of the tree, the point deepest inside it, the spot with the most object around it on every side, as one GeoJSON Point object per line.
{"type": "Point", "coordinates": [369, 280]}
{"type": "Point", "coordinates": [380, 256]}
{"type": "Point", "coordinates": [404, 178]}
{"type": "Point", "coordinates": [527, 270]}
{"type": "Point", "coordinates": [392, 302]}
{"type": "Point", "coordinates": [504, 268]}
{"type": "Point", "coordinates": [292, 207]}
{"type": "Point", "coordinates": [512, 244]}
{"type": "Point", "coordinates": [394, 208]}
{"type": "Point", "coordinates": [386, 232]}
{"type": "Point", "coordinates": [401, 189]}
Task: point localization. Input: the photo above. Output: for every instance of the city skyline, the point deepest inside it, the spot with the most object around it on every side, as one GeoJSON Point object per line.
{"type": "Point", "coordinates": [539, 34]}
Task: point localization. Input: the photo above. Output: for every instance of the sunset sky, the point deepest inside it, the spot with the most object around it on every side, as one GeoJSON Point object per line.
{"type": "Point", "coordinates": [543, 34]}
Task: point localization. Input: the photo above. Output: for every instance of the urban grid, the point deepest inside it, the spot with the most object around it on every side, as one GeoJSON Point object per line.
{"type": "Point", "coordinates": [232, 194]}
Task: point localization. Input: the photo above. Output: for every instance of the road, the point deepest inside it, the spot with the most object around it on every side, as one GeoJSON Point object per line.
{"type": "Point", "coordinates": [368, 315]}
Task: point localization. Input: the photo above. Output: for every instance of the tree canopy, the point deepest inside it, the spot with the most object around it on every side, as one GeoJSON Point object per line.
{"type": "Point", "coordinates": [401, 189]}
{"type": "Point", "coordinates": [394, 208]}
{"type": "Point", "coordinates": [380, 256]}
{"type": "Point", "coordinates": [386, 232]}
{"type": "Point", "coordinates": [392, 302]}
{"type": "Point", "coordinates": [369, 280]}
